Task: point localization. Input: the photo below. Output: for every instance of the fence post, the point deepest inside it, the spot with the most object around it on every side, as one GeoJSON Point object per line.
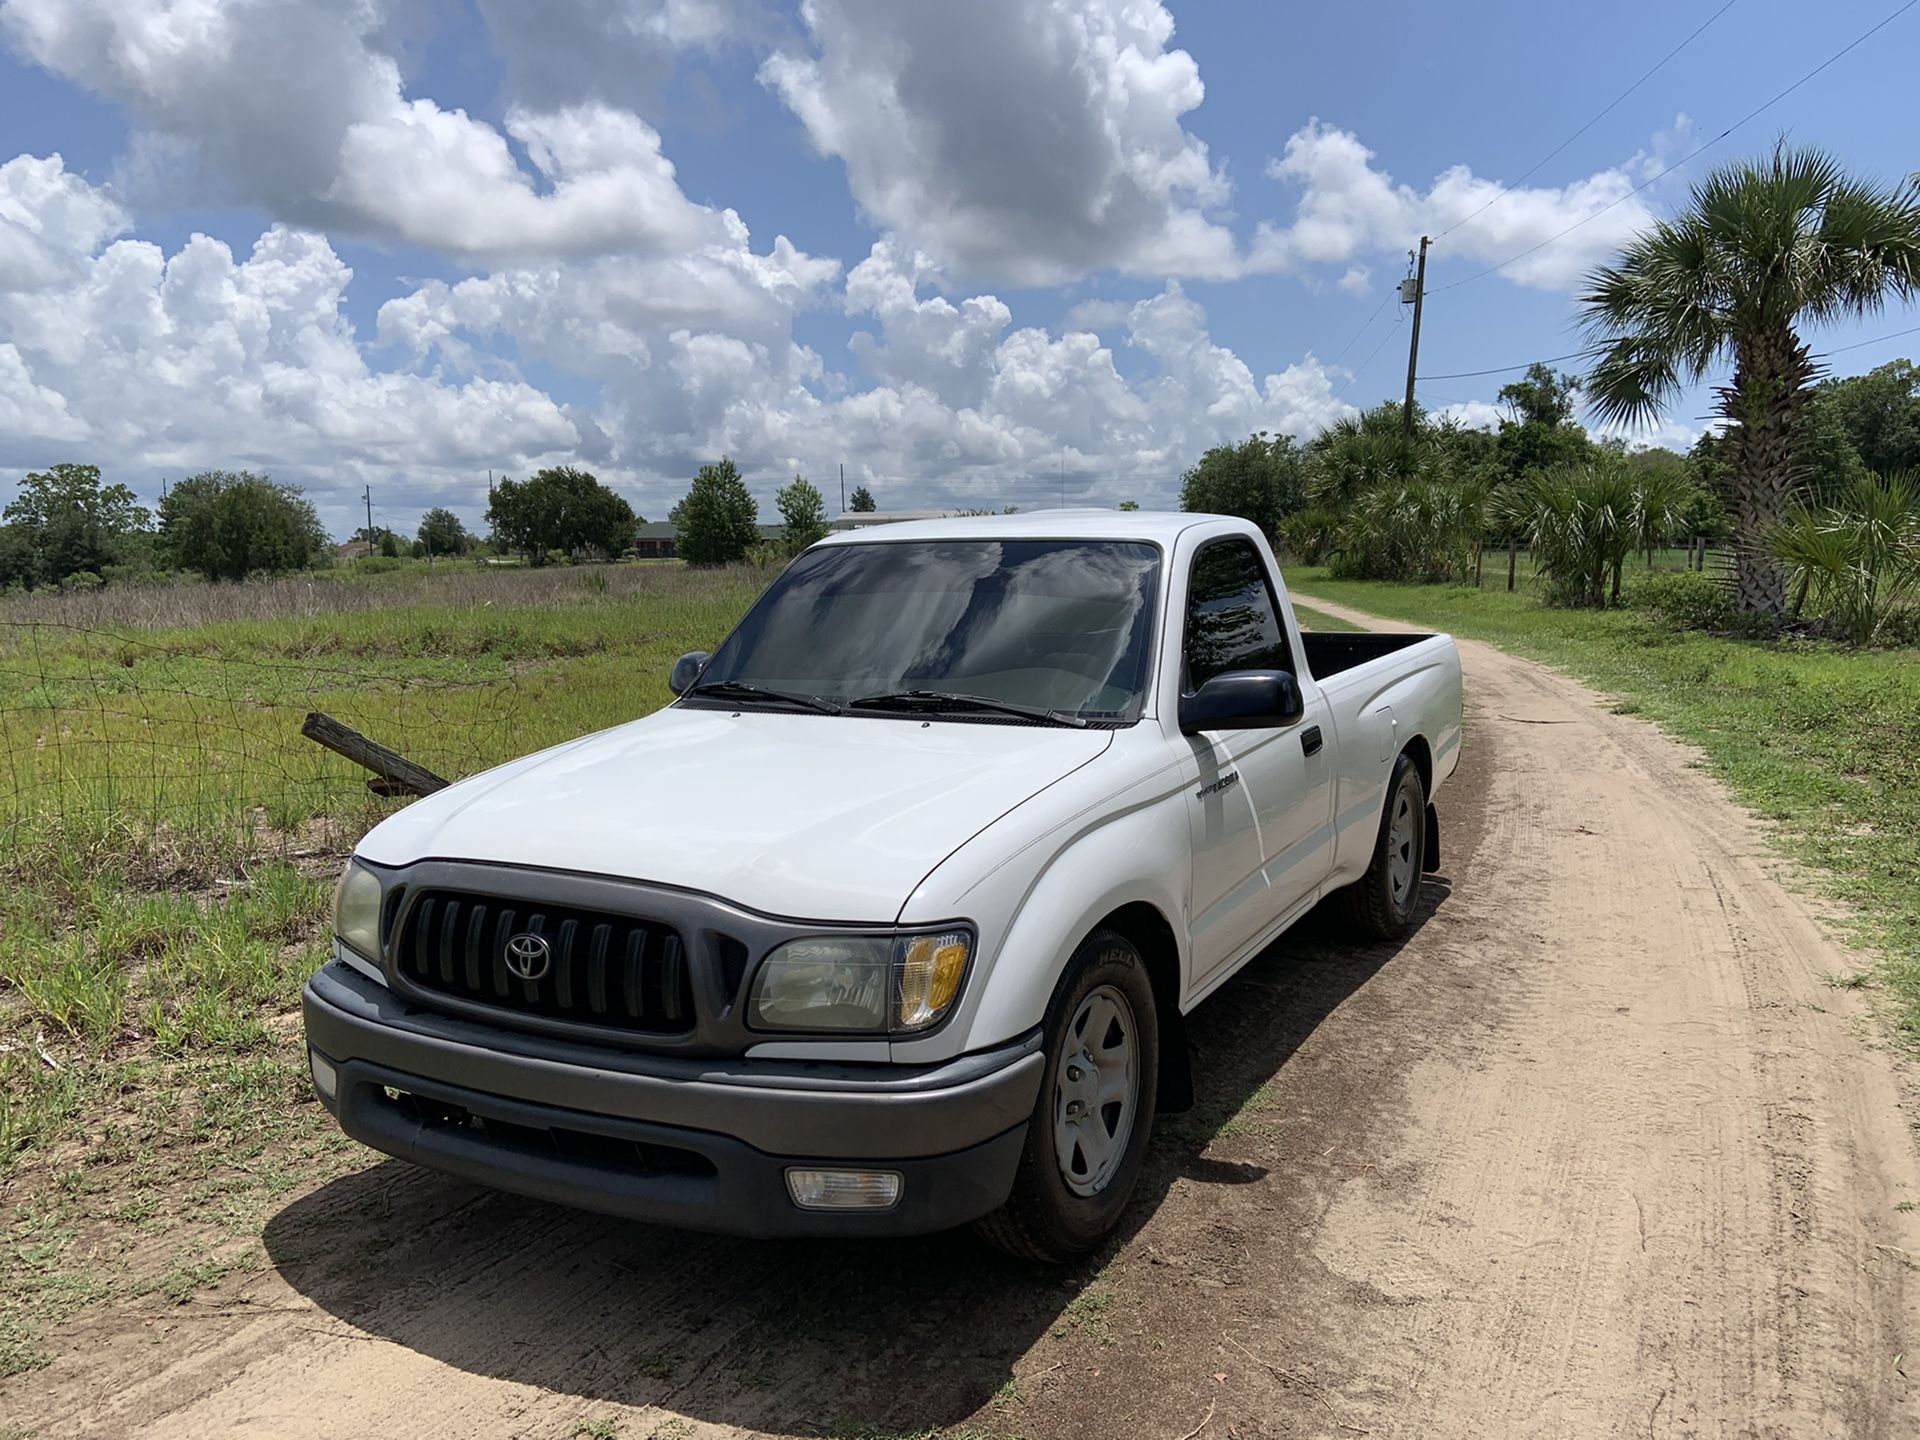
{"type": "Point", "coordinates": [1513, 560]}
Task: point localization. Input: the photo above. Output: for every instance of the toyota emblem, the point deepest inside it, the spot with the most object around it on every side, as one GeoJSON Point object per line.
{"type": "Point", "coordinates": [529, 956]}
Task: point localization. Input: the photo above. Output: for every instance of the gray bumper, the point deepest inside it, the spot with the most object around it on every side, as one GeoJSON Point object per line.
{"type": "Point", "coordinates": [703, 1144]}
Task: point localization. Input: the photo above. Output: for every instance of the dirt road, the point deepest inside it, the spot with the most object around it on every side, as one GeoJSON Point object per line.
{"type": "Point", "coordinates": [1599, 1151]}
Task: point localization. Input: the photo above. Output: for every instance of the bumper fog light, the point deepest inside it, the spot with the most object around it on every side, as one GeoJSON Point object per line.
{"type": "Point", "coordinates": [326, 1079]}
{"type": "Point", "coordinates": [844, 1189]}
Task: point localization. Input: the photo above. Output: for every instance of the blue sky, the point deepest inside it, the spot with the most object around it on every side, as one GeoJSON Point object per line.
{"type": "Point", "coordinates": [1000, 253]}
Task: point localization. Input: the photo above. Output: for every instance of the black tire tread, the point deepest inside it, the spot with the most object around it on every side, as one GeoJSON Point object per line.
{"type": "Point", "coordinates": [1367, 904]}
{"type": "Point", "coordinates": [1019, 1226]}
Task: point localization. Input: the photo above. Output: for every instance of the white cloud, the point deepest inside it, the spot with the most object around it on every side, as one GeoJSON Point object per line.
{"type": "Point", "coordinates": [1348, 206]}
{"type": "Point", "coordinates": [1357, 281]}
{"type": "Point", "coordinates": [139, 361]}
{"type": "Point", "coordinates": [557, 52]}
{"type": "Point", "coordinates": [298, 109]}
{"type": "Point", "coordinates": [1472, 414]}
{"type": "Point", "coordinates": [50, 220]}
{"type": "Point", "coordinates": [950, 401]}
{"type": "Point", "coordinates": [1028, 140]}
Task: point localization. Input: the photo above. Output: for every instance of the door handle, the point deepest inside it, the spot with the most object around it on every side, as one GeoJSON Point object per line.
{"type": "Point", "coordinates": [1310, 740]}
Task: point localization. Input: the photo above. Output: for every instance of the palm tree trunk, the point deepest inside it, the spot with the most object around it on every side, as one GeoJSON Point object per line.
{"type": "Point", "coordinates": [1771, 381]}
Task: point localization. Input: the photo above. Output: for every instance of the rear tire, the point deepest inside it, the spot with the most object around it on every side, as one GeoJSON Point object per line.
{"type": "Point", "coordinates": [1090, 1125]}
{"type": "Point", "coordinates": [1380, 904]}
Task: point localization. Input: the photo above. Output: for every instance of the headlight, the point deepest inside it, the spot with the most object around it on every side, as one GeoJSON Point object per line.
{"type": "Point", "coordinates": [356, 911]}
{"type": "Point", "coordinates": [877, 984]}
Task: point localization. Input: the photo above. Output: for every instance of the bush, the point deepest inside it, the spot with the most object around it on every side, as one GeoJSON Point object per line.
{"type": "Point", "coordinates": [1686, 598]}
{"type": "Point", "coordinates": [1420, 530]}
{"type": "Point", "coordinates": [1307, 536]}
{"type": "Point", "coordinates": [1583, 521]}
{"type": "Point", "coordinates": [1857, 559]}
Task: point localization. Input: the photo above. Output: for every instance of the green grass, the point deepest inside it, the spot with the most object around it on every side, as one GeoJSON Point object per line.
{"type": "Point", "coordinates": [1822, 741]}
{"type": "Point", "coordinates": [168, 846]}
{"type": "Point", "coordinates": [1312, 619]}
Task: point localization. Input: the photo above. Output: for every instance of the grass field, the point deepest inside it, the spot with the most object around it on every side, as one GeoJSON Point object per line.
{"type": "Point", "coordinates": [1821, 741]}
{"type": "Point", "coordinates": [171, 847]}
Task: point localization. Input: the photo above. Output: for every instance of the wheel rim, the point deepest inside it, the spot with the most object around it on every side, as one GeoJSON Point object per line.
{"type": "Point", "coordinates": [1403, 836]}
{"type": "Point", "coordinates": [1096, 1091]}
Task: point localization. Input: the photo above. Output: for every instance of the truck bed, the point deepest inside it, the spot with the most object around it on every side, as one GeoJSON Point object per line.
{"type": "Point", "coordinates": [1330, 652]}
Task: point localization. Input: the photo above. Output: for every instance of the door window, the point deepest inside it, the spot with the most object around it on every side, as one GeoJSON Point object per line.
{"type": "Point", "coordinates": [1232, 621]}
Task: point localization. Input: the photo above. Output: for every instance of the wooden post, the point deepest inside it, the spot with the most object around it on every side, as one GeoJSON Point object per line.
{"type": "Point", "coordinates": [394, 773]}
{"type": "Point", "coordinates": [1513, 561]}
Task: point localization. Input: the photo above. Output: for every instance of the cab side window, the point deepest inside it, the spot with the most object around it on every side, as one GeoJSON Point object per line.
{"type": "Point", "coordinates": [1232, 622]}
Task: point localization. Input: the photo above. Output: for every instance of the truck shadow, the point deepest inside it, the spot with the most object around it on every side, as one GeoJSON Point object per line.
{"type": "Point", "coordinates": [866, 1338]}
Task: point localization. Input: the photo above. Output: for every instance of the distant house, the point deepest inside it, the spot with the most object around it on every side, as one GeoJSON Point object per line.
{"type": "Point", "coordinates": [655, 540]}
{"type": "Point", "coordinates": [658, 539]}
{"type": "Point", "coordinates": [353, 550]}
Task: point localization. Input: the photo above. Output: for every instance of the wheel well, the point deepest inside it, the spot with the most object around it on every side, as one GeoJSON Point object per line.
{"type": "Point", "coordinates": [1153, 937]}
{"type": "Point", "coordinates": [1422, 761]}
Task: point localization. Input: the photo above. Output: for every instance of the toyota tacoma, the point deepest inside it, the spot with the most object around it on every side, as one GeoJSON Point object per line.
{"type": "Point", "coordinates": [891, 920]}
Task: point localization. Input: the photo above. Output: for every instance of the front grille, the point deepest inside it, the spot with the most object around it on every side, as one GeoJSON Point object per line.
{"type": "Point", "coordinates": [606, 969]}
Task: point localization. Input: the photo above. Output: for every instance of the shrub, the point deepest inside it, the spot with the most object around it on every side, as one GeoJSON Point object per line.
{"type": "Point", "coordinates": [1857, 559]}
{"type": "Point", "coordinates": [1307, 536]}
{"type": "Point", "coordinates": [1686, 598]}
{"type": "Point", "coordinates": [1421, 530]}
{"type": "Point", "coordinates": [1583, 521]}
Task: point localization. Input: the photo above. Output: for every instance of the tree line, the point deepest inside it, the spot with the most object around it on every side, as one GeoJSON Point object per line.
{"type": "Point", "coordinates": [68, 526]}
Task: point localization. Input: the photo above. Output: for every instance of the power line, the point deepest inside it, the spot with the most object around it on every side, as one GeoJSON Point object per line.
{"type": "Point", "coordinates": [1368, 325]}
{"type": "Point", "coordinates": [1502, 369]}
{"type": "Point", "coordinates": [1358, 369]}
{"type": "Point", "coordinates": [1506, 190]}
{"type": "Point", "coordinates": [1582, 354]}
{"type": "Point", "coordinates": [1862, 344]}
{"type": "Point", "coordinates": [1691, 154]}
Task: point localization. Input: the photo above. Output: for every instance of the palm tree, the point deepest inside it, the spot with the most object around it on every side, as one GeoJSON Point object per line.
{"type": "Point", "coordinates": [1859, 555]}
{"type": "Point", "coordinates": [1762, 247]}
{"type": "Point", "coordinates": [1583, 521]}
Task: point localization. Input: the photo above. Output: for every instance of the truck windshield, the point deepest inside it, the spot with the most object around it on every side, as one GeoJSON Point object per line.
{"type": "Point", "coordinates": [1059, 627]}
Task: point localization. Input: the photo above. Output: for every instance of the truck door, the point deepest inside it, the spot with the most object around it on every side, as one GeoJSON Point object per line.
{"type": "Point", "coordinates": [1261, 808]}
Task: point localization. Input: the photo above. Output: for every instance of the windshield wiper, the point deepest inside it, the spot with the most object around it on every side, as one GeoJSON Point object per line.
{"type": "Point", "coordinates": [942, 700]}
{"type": "Point", "coordinates": [740, 690]}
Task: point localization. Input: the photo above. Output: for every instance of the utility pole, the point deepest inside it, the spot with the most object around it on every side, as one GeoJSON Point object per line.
{"type": "Point", "coordinates": [1413, 348]}
{"type": "Point", "coordinates": [370, 519]}
{"type": "Point", "coordinates": [843, 487]}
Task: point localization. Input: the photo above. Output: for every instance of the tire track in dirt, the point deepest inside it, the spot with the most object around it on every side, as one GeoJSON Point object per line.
{"type": "Point", "coordinates": [1596, 1152]}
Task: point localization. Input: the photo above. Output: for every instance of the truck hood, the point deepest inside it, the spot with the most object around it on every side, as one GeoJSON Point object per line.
{"type": "Point", "coordinates": [809, 816]}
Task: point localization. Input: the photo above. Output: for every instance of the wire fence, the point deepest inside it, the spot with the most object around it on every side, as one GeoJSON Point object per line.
{"type": "Point", "coordinates": [158, 728]}
{"type": "Point", "coordinates": [117, 748]}
{"type": "Point", "coordinates": [1510, 565]}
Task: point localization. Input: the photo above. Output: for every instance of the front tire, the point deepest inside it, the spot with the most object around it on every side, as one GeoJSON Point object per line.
{"type": "Point", "coordinates": [1088, 1135]}
{"type": "Point", "coordinates": [1380, 904]}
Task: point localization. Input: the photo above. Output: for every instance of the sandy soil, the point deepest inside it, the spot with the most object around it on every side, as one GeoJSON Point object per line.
{"type": "Point", "coordinates": [1598, 1151]}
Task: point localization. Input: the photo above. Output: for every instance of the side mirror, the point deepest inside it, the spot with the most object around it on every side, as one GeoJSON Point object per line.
{"type": "Point", "coordinates": [686, 671]}
{"type": "Point", "coordinates": [1243, 700]}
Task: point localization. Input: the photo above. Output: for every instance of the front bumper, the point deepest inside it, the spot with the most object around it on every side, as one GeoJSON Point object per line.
{"type": "Point", "coordinates": [702, 1144]}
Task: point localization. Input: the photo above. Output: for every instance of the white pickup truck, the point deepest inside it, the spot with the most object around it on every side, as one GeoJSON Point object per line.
{"type": "Point", "coordinates": [890, 922]}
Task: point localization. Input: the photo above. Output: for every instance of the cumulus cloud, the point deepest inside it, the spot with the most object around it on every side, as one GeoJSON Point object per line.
{"type": "Point", "coordinates": [296, 107]}
{"type": "Point", "coordinates": [1348, 206]}
{"type": "Point", "coordinates": [558, 52]}
{"type": "Point", "coordinates": [1028, 140]}
{"type": "Point", "coordinates": [122, 354]}
{"type": "Point", "coordinates": [948, 401]}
